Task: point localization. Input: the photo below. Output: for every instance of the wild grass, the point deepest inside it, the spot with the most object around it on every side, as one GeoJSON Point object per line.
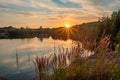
{"type": "Point", "coordinates": [77, 63]}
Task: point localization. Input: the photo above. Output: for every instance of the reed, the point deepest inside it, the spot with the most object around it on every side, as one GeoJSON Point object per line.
{"type": "Point", "coordinates": [69, 64]}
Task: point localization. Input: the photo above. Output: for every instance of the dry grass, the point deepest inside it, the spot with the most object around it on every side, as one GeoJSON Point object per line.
{"type": "Point", "coordinates": [70, 65]}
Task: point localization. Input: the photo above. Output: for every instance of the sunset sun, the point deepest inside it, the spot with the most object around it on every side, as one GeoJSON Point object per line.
{"type": "Point", "coordinates": [67, 26]}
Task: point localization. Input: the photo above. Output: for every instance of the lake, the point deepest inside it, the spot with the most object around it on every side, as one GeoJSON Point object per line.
{"type": "Point", "coordinates": [17, 55]}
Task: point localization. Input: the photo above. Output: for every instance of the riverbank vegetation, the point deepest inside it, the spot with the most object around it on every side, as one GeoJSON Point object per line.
{"type": "Point", "coordinates": [94, 61]}
{"type": "Point", "coordinates": [95, 55]}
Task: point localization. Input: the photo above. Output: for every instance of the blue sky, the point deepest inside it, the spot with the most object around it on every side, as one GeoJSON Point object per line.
{"type": "Point", "coordinates": [53, 13]}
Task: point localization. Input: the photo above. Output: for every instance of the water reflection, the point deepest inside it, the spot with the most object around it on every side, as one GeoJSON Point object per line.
{"type": "Point", "coordinates": [17, 61]}
{"type": "Point", "coordinates": [16, 55]}
{"type": "Point", "coordinates": [29, 58]}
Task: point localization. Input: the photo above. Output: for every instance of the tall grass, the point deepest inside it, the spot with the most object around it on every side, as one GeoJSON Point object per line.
{"type": "Point", "coordinates": [76, 64]}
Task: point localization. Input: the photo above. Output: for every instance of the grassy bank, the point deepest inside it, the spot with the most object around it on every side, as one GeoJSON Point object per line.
{"type": "Point", "coordinates": [104, 64]}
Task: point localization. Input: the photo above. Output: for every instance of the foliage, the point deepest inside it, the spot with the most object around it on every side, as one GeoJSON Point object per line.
{"type": "Point", "coordinates": [117, 47]}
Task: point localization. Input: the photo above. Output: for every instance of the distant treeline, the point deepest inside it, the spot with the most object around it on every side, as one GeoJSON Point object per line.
{"type": "Point", "coordinates": [56, 33]}
{"type": "Point", "coordinates": [11, 32]}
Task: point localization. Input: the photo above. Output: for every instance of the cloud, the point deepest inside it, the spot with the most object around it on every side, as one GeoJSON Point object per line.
{"type": "Point", "coordinates": [60, 5]}
{"type": "Point", "coordinates": [53, 10]}
{"type": "Point", "coordinates": [67, 4]}
{"type": "Point", "coordinates": [21, 13]}
{"type": "Point", "coordinates": [97, 7]}
{"type": "Point", "coordinates": [27, 14]}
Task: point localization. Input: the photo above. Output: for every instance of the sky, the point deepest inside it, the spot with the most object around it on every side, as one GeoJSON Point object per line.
{"type": "Point", "coordinates": [53, 13]}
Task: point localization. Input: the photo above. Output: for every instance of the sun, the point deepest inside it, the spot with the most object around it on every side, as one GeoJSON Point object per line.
{"type": "Point", "coordinates": [67, 26]}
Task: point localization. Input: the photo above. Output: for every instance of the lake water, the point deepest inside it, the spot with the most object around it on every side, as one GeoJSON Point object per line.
{"type": "Point", "coordinates": [17, 55]}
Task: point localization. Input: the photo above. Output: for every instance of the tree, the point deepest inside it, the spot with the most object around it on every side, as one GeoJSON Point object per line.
{"type": "Point", "coordinates": [115, 26]}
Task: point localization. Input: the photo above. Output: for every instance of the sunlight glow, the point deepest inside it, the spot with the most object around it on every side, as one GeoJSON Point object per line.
{"type": "Point", "coordinates": [67, 26]}
{"type": "Point", "coordinates": [68, 31]}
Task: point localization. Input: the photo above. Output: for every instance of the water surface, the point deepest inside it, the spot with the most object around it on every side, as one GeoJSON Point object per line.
{"type": "Point", "coordinates": [17, 55]}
